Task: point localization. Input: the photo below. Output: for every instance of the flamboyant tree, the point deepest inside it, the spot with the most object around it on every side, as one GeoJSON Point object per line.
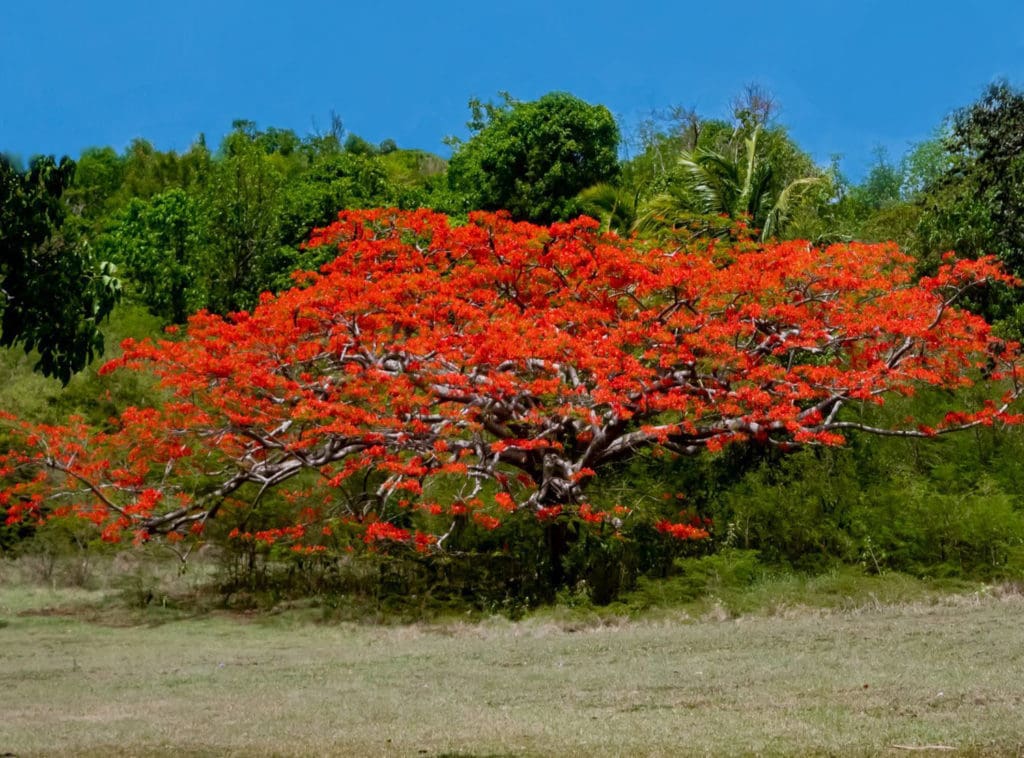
{"type": "Point", "coordinates": [450, 373]}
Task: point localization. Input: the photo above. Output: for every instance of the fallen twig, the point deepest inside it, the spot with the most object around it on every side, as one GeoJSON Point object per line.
{"type": "Point", "coordinates": [923, 747]}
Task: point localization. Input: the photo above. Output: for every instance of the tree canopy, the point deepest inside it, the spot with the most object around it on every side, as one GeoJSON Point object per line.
{"type": "Point", "coordinates": [53, 293]}
{"type": "Point", "coordinates": [433, 373]}
{"type": "Point", "coordinates": [742, 185]}
{"type": "Point", "coordinates": [532, 158]}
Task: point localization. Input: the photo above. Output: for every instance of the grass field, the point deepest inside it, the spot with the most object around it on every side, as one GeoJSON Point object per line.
{"type": "Point", "coordinates": [868, 679]}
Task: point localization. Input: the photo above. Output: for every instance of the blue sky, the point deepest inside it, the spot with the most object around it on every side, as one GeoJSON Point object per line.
{"type": "Point", "coordinates": [849, 75]}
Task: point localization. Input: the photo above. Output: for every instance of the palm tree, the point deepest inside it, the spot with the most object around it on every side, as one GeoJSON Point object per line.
{"type": "Point", "coordinates": [615, 207]}
{"type": "Point", "coordinates": [714, 184]}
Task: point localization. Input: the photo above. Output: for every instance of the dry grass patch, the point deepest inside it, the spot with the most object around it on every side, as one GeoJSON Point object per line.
{"type": "Point", "coordinates": [943, 672]}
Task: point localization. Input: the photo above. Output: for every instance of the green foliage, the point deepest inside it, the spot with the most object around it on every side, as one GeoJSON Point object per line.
{"type": "Point", "coordinates": [165, 243]}
{"type": "Point", "coordinates": [972, 193]}
{"type": "Point", "coordinates": [214, 231]}
{"type": "Point", "coordinates": [753, 173]}
{"type": "Point", "coordinates": [99, 174]}
{"type": "Point", "coordinates": [412, 168]}
{"type": "Point", "coordinates": [728, 572]}
{"type": "Point", "coordinates": [987, 144]}
{"type": "Point", "coordinates": [936, 507]}
{"type": "Point", "coordinates": [97, 398]}
{"type": "Point", "coordinates": [792, 510]}
{"type": "Point", "coordinates": [245, 200]}
{"type": "Point", "coordinates": [883, 185]}
{"type": "Point", "coordinates": [148, 171]}
{"type": "Point", "coordinates": [533, 158]}
{"type": "Point", "coordinates": [659, 141]}
{"type": "Point", "coordinates": [330, 181]}
{"type": "Point", "coordinates": [943, 507]}
{"type": "Point", "coordinates": [615, 207]}
{"type": "Point", "coordinates": [55, 293]}
{"type": "Point", "coordinates": [358, 146]}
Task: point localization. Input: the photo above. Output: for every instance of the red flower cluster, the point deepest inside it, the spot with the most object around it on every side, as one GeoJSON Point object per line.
{"type": "Point", "coordinates": [504, 365]}
{"type": "Point", "coordinates": [680, 531]}
{"type": "Point", "coordinates": [384, 531]}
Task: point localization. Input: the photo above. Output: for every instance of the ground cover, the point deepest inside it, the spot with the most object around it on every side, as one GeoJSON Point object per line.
{"type": "Point", "coordinates": [81, 677]}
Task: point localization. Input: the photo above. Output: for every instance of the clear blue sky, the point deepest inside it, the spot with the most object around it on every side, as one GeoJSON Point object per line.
{"type": "Point", "coordinates": [849, 75]}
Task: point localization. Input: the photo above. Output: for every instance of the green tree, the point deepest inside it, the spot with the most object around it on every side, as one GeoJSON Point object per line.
{"type": "Point", "coordinates": [879, 208]}
{"type": "Point", "coordinates": [148, 171]}
{"type": "Point", "coordinates": [328, 182]}
{"type": "Point", "coordinates": [925, 164]}
{"type": "Point", "coordinates": [977, 204]}
{"type": "Point", "coordinates": [740, 183]}
{"type": "Point", "coordinates": [882, 186]}
{"type": "Point", "coordinates": [972, 196]}
{"type": "Point", "coordinates": [245, 199]}
{"type": "Point", "coordinates": [658, 140]}
{"type": "Point", "coordinates": [164, 245]}
{"type": "Point", "coordinates": [533, 158]}
{"type": "Point", "coordinates": [356, 144]}
{"type": "Point", "coordinates": [99, 174]}
{"type": "Point", "coordinates": [53, 293]}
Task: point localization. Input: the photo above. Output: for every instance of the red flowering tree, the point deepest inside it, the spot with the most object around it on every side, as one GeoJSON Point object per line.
{"type": "Point", "coordinates": [432, 374]}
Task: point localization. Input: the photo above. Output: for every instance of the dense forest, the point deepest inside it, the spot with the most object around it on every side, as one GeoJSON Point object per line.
{"type": "Point", "coordinates": [132, 244]}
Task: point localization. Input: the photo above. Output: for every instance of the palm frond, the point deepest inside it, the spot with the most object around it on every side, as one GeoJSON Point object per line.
{"type": "Point", "coordinates": [780, 211]}
{"type": "Point", "coordinates": [614, 207]}
{"type": "Point", "coordinates": [713, 178]}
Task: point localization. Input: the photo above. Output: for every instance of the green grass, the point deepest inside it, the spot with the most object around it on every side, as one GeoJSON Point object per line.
{"type": "Point", "coordinates": [82, 675]}
{"type": "Point", "coordinates": [37, 398]}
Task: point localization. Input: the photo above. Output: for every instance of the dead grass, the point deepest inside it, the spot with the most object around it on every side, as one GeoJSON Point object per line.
{"type": "Point", "coordinates": [944, 671]}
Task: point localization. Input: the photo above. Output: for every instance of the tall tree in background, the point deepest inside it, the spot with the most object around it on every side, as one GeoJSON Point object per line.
{"type": "Point", "coordinates": [976, 204]}
{"type": "Point", "coordinates": [690, 171]}
{"type": "Point", "coordinates": [533, 158]}
{"type": "Point", "coordinates": [164, 243]}
{"type": "Point", "coordinates": [99, 175]}
{"type": "Point", "coordinates": [982, 187]}
{"type": "Point", "coordinates": [741, 183]}
{"type": "Point", "coordinates": [987, 141]}
{"type": "Point", "coordinates": [53, 294]}
{"type": "Point", "coordinates": [246, 198]}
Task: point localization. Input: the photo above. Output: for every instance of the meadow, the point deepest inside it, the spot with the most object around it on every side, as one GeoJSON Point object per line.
{"type": "Point", "coordinates": [880, 665]}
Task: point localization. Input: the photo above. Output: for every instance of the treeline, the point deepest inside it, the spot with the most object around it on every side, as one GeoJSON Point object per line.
{"type": "Point", "coordinates": [212, 228]}
{"type": "Point", "coordinates": [179, 232]}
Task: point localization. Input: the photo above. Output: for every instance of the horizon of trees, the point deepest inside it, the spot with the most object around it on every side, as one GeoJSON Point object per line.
{"type": "Point", "coordinates": [211, 228]}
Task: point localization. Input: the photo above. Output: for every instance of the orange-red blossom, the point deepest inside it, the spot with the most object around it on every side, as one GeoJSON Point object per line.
{"type": "Point", "coordinates": [514, 360]}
